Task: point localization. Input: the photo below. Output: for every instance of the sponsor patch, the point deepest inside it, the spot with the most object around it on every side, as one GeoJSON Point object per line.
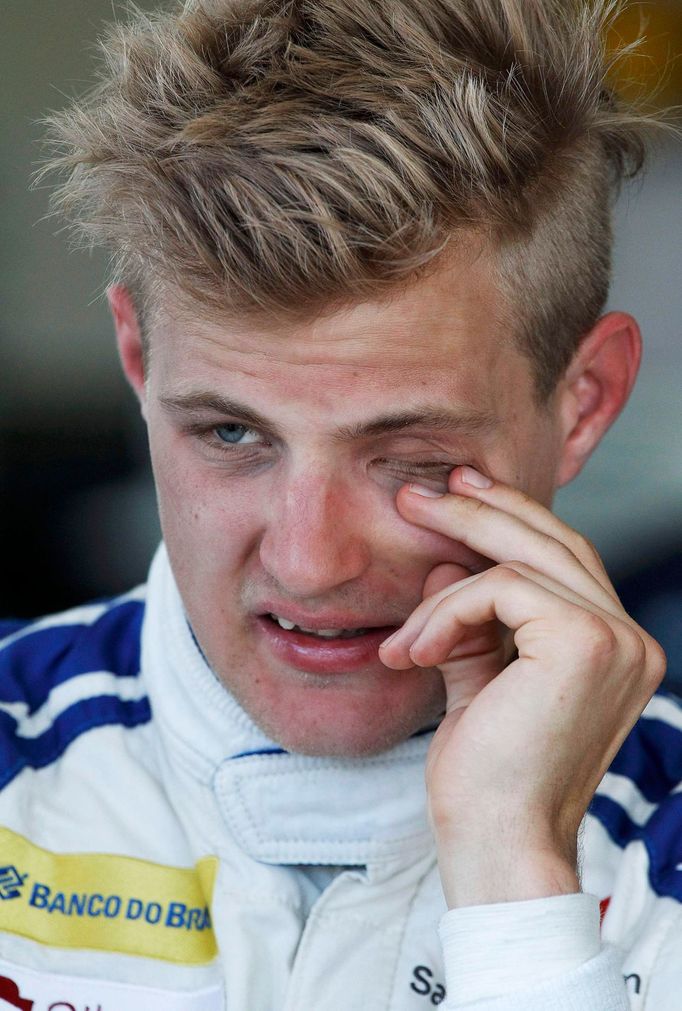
{"type": "Point", "coordinates": [25, 990]}
{"type": "Point", "coordinates": [106, 902]}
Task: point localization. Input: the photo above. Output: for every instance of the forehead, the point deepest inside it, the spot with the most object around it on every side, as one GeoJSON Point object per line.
{"type": "Point", "coordinates": [443, 336]}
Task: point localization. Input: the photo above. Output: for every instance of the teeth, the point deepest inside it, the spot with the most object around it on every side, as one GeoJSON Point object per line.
{"type": "Point", "coordinates": [324, 633]}
{"type": "Point", "coordinates": [283, 622]}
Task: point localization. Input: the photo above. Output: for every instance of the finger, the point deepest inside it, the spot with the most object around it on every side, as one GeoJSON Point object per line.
{"type": "Point", "coordinates": [503, 537]}
{"type": "Point", "coordinates": [540, 619]}
{"type": "Point", "coordinates": [439, 635]}
{"type": "Point", "coordinates": [401, 640]}
{"type": "Point", "coordinates": [517, 503]}
{"type": "Point", "coordinates": [434, 618]}
{"type": "Point", "coordinates": [394, 646]}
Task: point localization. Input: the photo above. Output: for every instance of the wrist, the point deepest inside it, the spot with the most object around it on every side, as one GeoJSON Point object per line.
{"type": "Point", "coordinates": [502, 870]}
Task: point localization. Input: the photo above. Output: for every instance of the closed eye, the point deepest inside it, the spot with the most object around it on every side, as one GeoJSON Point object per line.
{"type": "Point", "coordinates": [436, 468]}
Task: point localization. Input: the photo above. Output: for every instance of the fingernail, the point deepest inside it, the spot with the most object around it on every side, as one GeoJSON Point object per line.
{"type": "Point", "coordinates": [476, 480]}
{"type": "Point", "coordinates": [419, 489]}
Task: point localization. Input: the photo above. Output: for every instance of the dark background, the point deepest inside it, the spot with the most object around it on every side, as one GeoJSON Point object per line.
{"type": "Point", "coordinates": [77, 513]}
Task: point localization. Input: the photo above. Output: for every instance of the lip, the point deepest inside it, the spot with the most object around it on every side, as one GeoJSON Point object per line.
{"type": "Point", "coordinates": [330, 619]}
{"type": "Point", "coordinates": [323, 656]}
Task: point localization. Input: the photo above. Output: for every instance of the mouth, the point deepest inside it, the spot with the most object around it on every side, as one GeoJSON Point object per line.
{"type": "Point", "coordinates": [323, 633]}
{"type": "Point", "coordinates": [323, 650]}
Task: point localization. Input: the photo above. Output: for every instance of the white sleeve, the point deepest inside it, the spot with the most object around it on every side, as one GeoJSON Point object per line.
{"type": "Point", "coordinates": [539, 955]}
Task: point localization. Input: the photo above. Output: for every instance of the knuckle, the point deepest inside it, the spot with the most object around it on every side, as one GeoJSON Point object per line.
{"type": "Point", "coordinates": [556, 547]}
{"type": "Point", "coordinates": [584, 550]}
{"type": "Point", "coordinates": [474, 505]}
{"type": "Point", "coordinates": [518, 568]}
{"type": "Point", "coordinates": [657, 661]}
{"type": "Point", "coordinates": [633, 645]}
{"type": "Point", "coordinates": [598, 641]}
{"type": "Point", "coordinates": [508, 574]}
{"type": "Point", "coordinates": [646, 657]}
{"type": "Point", "coordinates": [444, 607]}
{"type": "Point", "coordinates": [525, 504]}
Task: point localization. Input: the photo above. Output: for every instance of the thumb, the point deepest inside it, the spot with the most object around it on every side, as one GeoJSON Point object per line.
{"type": "Point", "coordinates": [444, 575]}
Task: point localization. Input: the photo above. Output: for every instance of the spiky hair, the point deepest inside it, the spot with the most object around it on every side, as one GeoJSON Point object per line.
{"type": "Point", "coordinates": [280, 158]}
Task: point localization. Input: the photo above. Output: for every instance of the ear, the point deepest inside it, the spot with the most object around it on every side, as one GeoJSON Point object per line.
{"type": "Point", "coordinates": [595, 388]}
{"type": "Point", "coordinates": [129, 339]}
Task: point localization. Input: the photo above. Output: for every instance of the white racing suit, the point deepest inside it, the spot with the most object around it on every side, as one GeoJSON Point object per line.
{"type": "Point", "coordinates": [159, 853]}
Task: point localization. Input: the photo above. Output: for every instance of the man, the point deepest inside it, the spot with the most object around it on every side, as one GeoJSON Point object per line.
{"type": "Point", "coordinates": [362, 254]}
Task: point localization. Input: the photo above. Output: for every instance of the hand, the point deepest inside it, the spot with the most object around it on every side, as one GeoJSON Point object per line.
{"type": "Point", "coordinates": [526, 738]}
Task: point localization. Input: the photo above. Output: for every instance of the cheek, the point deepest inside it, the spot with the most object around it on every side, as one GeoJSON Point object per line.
{"type": "Point", "coordinates": [406, 549]}
{"type": "Point", "coordinates": [206, 518]}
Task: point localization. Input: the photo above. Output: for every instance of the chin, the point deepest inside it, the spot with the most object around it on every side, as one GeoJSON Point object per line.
{"type": "Point", "coordinates": [359, 747]}
{"type": "Point", "coordinates": [346, 729]}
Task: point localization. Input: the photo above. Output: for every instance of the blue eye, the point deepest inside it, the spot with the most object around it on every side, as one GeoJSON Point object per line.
{"type": "Point", "coordinates": [233, 434]}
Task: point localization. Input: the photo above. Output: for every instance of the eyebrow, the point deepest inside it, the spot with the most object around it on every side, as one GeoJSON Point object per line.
{"type": "Point", "coordinates": [461, 422]}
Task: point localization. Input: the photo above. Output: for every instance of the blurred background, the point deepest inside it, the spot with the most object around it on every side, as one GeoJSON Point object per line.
{"type": "Point", "coordinates": [77, 512]}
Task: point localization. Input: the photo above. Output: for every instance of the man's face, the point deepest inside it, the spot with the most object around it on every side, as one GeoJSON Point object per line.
{"type": "Point", "coordinates": [295, 514]}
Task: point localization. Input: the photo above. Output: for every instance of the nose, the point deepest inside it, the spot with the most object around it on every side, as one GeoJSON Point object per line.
{"type": "Point", "coordinates": [315, 539]}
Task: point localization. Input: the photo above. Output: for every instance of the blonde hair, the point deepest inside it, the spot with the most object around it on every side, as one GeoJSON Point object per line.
{"type": "Point", "coordinates": [284, 158]}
